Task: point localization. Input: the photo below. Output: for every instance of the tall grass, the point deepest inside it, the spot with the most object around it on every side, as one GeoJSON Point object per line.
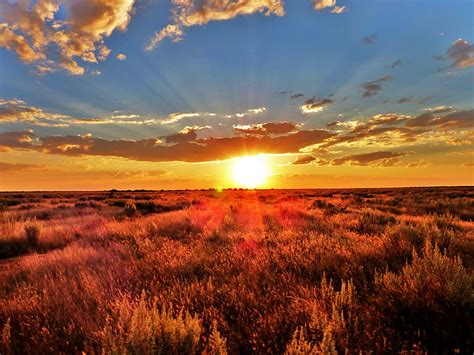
{"type": "Point", "coordinates": [296, 272]}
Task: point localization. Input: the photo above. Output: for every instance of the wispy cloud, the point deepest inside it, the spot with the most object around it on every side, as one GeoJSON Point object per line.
{"type": "Point", "coordinates": [372, 88]}
{"type": "Point", "coordinates": [375, 158]}
{"type": "Point", "coordinates": [187, 13]}
{"type": "Point", "coordinates": [370, 39]}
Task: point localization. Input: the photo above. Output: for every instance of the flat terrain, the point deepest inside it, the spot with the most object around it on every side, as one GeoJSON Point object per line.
{"type": "Point", "coordinates": [237, 271]}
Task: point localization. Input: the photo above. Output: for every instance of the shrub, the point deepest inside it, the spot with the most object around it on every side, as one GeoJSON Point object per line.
{"type": "Point", "coordinates": [32, 233]}
{"type": "Point", "coordinates": [372, 221]}
{"type": "Point", "coordinates": [299, 345]}
{"type": "Point", "coordinates": [430, 301]}
{"type": "Point", "coordinates": [130, 209]}
{"type": "Point", "coordinates": [217, 343]}
{"type": "Point", "coordinates": [140, 328]}
{"type": "Point", "coordinates": [333, 322]}
{"type": "Point", "coordinates": [7, 223]}
{"type": "Point", "coordinates": [6, 337]}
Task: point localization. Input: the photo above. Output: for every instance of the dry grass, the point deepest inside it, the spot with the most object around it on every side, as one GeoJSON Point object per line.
{"type": "Point", "coordinates": [300, 272]}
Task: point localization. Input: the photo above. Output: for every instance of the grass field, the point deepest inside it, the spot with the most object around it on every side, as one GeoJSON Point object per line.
{"type": "Point", "coordinates": [237, 271]}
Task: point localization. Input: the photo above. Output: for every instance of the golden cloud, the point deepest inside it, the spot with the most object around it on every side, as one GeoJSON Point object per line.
{"type": "Point", "coordinates": [269, 128]}
{"type": "Point", "coordinates": [187, 13]}
{"type": "Point", "coordinates": [30, 30]}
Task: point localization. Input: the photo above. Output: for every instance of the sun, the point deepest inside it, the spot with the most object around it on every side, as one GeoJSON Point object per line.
{"type": "Point", "coordinates": [251, 171]}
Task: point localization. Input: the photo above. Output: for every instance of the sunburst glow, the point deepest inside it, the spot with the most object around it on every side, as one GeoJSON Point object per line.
{"type": "Point", "coordinates": [251, 171]}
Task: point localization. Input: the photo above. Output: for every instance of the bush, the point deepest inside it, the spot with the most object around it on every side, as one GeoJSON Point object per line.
{"type": "Point", "coordinates": [130, 209]}
{"type": "Point", "coordinates": [140, 328]}
{"type": "Point", "coordinates": [430, 302]}
{"type": "Point", "coordinates": [32, 233]}
{"type": "Point", "coordinates": [372, 221]}
{"type": "Point", "coordinates": [333, 323]}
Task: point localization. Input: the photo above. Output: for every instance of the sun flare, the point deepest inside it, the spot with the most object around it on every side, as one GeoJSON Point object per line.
{"type": "Point", "coordinates": [251, 171]}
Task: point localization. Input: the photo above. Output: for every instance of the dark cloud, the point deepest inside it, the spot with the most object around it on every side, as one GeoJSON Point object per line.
{"type": "Point", "coordinates": [286, 92]}
{"type": "Point", "coordinates": [459, 119]}
{"type": "Point", "coordinates": [370, 39]}
{"type": "Point", "coordinates": [375, 158]}
{"type": "Point", "coordinates": [461, 53]}
{"type": "Point", "coordinates": [312, 105]}
{"type": "Point", "coordinates": [333, 124]}
{"type": "Point", "coordinates": [181, 137]}
{"type": "Point", "coordinates": [16, 140]}
{"type": "Point", "coordinates": [372, 88]}
{"type": "Point", "coordinates": [200, 150]}
{"type": "Point", "coordinates": [296, 96]}
{"type": "Point", "coordinates": [304, 159]}
{"type": "Point", "coordinates": [404, 99]}
{"type": "Point", "coordinates": [395, 64]}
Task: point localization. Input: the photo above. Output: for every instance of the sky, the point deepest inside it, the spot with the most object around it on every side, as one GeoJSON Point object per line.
{"type": "Point", "coordinates": [169, 94]}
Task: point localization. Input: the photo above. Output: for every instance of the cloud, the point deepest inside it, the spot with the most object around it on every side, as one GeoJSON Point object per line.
{"type": "Point", "coordinates": [419, 164]}
{"type": "Point", "coordinates": [178, 116]}
{"type": "Point", "coordinates": [32, 31]}
{"type": "Point", "coordinates": [372, 88]}
{"type": "Point", "coordinates": [18, 44]}
{"type": "Point", "coordinates": [339, 10]}
{"type": "Point", "coordinates": [395, 64]}
{"type": "Point", "coordinates": [181, 137]}
{"type": "Point", "coordinates": [304, 159]}
{"type": "Point", "coordinates": [320, 5]}
{"type": "Point", "coordinates": [461, 53]}
{"type": "Point", "coordinates": [269, 128]}
{"type": "Point", "coordinates": [376, 158]}
{"type": "Point", "coordinates": [187, 13]}
{"type": "Point", "coordinates": [370, 39]}
{"type": "Point", "coordinates": [458, 119]}
{"type": "Point", "coordinates": [404, 99]}
{"type": "Point", "coordinates": [296, 96]}
{"type": "Point", "coordinates": [17, 110]}
{"type": "Point", "coordinates": [439, 124]}
{"type": "Point", "coordinates": [248, 112]}
{"type": "Point", "coordinates": [199, 150]}
{"type": "Point", "coordinates": [16, 140]}
{"type": "Point", "coordinates": [312, 105]}
{"type": "Point", "coordinates": [173, 31]}
{"type": "Point", "coordinates": [121, 56]}
{"type": "Point", "coordinates": [13, 168]}
{"type": "Point", "coordinates": [187, 134]}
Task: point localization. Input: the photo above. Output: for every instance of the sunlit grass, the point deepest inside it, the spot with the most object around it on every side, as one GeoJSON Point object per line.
{"type": "Point", "coordinates": [237, 271]}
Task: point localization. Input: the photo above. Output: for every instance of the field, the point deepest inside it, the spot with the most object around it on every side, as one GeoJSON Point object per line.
{"type": "Point", "coordinates": [237, 271]}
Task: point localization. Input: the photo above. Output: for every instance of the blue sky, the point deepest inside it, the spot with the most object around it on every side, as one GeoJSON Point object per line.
{"type": "Point", "coordinates": [244, 62]}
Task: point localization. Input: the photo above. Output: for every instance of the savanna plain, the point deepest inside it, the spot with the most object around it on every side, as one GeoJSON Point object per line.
{"type": "Point", "coordinates": [237, 271]}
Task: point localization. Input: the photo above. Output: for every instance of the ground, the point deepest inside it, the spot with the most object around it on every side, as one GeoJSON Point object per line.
{"type": "Point", "coordinates": [237, 271]}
